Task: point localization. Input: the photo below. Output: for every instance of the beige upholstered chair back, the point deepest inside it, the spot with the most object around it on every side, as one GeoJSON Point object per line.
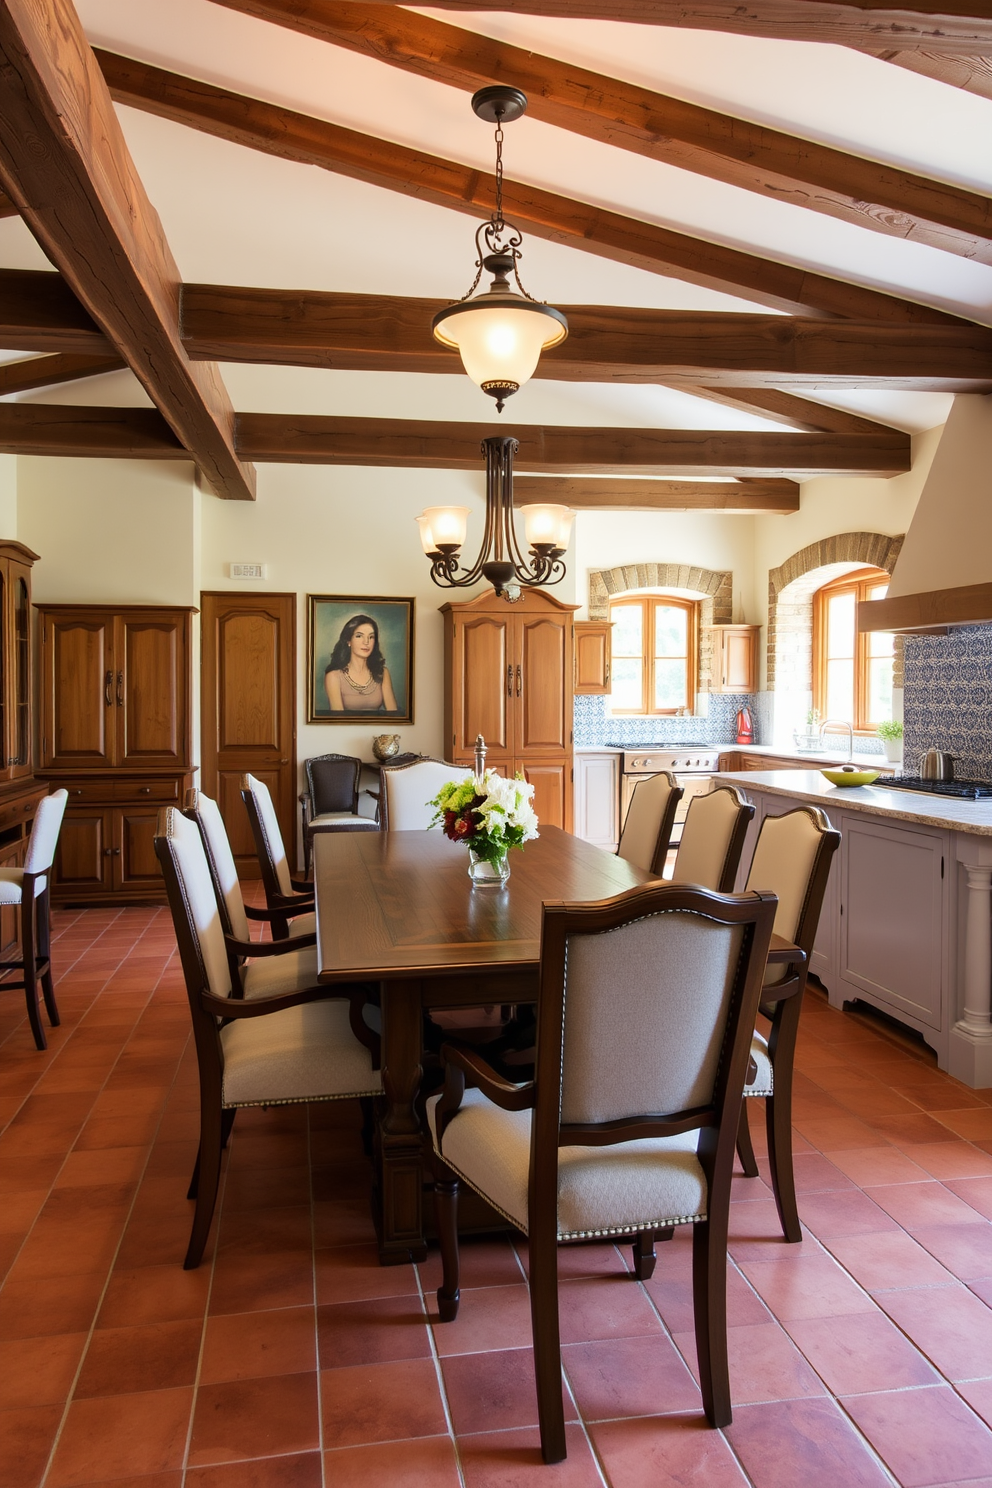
{"type": "Point", "coordinates": [187, 861]}
{"type": "Point", "coordinates": [408, 788]}
{"type": "Point", "coordinates": [221, 861]}
{"type": "Point", "coordinates": [270, 831]}
{"type": "Point", "coordinates": [709, 829]}
{"type": "Point", "coordinates": [646, 816]}
{"type": "Point", "coordinates": [644, 1017]}
{"type": "Point", "coordinates": [783, 861]}
{"type": "Point", "coordinates": [45, 832]}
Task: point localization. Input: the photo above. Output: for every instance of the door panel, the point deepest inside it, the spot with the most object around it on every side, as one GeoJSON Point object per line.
{"type": "Point", "coordinates": [136, 865]}
{"type": "Point", "coordinates": [248, 710]}
{"type": "Point", "coordinates": [551, 780]}
{"type": "Point", "coordinates": [79, 715]}
{"type": "Point", "coordinates": [486, 680]}
{"type": "Point", "coordinates": [19, 733]}
{"type": "Point", "coordinates": [542, 724]}
{"type": "Point", "coordinates": [84, 861]}
{"type": "Point", "coordinates": [150, 690]}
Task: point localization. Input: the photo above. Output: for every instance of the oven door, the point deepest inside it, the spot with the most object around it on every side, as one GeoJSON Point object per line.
{"type": "Point", "coordinates": [692, 785]}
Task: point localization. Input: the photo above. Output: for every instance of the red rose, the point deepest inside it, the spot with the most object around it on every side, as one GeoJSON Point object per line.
{"type": "Point", "coordinates": [462, 828]}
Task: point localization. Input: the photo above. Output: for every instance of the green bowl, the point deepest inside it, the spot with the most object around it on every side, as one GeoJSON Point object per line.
{"type": "Point", "coordinates": [850, 777]}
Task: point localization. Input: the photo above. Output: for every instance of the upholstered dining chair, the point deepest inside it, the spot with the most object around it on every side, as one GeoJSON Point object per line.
{"type": "Point", "coordinates": [283, 892]}
{"type": "Point", "coordinates": [29, 889]}
{"type": "Point", "coordinates": [647, 1005]}
{"type": "Point", "coordinates": [281, 1048]}
{"type": "Point", "coordinates": [330, 801]}
{"type": "Point", "coordinates": [407, 788]}
{"type": "Point", "coordinates": [792, 859]}
{"type": "Point", "coordinates": [713, 839]}
{"type": "Point", "coordinates": [647, 829]}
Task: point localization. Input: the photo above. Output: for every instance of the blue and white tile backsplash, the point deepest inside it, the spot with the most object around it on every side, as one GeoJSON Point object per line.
{"type": "Point", "coordinates": [947, 702]}
{"type": "Point", "coordinates": [595, 726]}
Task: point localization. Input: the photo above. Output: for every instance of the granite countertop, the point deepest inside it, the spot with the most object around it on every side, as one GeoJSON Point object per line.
{"type": "Point", "coordinates": [921, 810]}
{"type": "Point", "coordinates": [821, 757]}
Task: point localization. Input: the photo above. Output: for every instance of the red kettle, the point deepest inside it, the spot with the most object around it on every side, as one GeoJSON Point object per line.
{"type": "Point", "coordinates": [745, 726]}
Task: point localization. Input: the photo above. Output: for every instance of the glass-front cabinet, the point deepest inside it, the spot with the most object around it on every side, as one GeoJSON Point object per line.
{"type": "Point", "coordinates": [15, 660]}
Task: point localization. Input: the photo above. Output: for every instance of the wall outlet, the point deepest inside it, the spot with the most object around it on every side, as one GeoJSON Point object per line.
{"type": "Point", "coordinates": [247, 570]}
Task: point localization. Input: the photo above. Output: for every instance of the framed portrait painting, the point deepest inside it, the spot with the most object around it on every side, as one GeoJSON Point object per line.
{"type": "Point", "coordinates": [359, 659]}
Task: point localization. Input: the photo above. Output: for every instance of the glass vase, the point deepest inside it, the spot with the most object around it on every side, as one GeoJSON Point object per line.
{"type": "Point", "coordinates": [488, 874]}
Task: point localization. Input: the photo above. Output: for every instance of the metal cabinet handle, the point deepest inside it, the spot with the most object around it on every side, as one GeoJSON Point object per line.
{"type": "Point", "coordinates": [519, 679]}
{"type": "Point", "coordinates": [144, 790]}
{"type": "Point", "coordinates": [120, 689]}
{"type": "Point", "coordinates": [607, 671]}
{"type": "Point", "coordinates": [108, 682]}
{"type": "Point", "coordinates": [509, 681]}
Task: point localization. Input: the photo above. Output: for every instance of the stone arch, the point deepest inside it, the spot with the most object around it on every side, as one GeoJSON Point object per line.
{"type": "Point", "coordinates": [715, 587]}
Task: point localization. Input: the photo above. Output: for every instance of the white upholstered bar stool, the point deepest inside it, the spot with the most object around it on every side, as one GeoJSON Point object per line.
{"type": "Point", "coordinates": [713, 840]}
{"type": "Point", "coordinates": [284, 893]}
{"type": "Point", "coordinates": [406, 790]}
{"type": "Point", "coordinates": [647, 830]}
{"type": "Point", "coordinates": [29, 889]}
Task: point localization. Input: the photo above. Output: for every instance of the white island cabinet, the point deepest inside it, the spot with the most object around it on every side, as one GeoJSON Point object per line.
{"type": "Point", "coordinates": [597, 796]}
{"type": "Point", "coordinates": [907, 918]}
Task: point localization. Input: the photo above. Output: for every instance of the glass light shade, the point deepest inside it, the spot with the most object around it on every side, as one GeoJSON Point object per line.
{"type": "Point", "coordinates": [546, 522]}
{"type": "Point", "coordinates": [500, 335]}
{"type": "Point", "coordinates": [446, 524]}
{"type": "Point", "coordinates": [426, 535]}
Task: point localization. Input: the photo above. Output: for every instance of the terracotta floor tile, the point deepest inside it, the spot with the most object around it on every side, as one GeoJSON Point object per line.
{"type": "Point", "coordinates": [27, 1436]}
{"type": "Point", "coordinates": [629, 1377]}
{"type": "Point", "coordinates": [352, 1273]}
{"type": "Point", "coordinates": [299, 1471]}
{"type": "Point", "coordinates": [890, 1259]}
{"type": "Point", "coordinates": [835, 1133]}
{"type": "Point", "coordinates": [907, 1132]}
{"type": "Point", "coordinates": [919, 1205]}
{"type": "Point", "coordinates": [343, 1222]}
{"type": "Point", "coordinates": [924, 1436]}
{"type": "Point", "coordinates": [678, 1451]}
{"type": "Point", "coordinates": [805, 1286]}
{"type": "Point", "coordinates": [971, 1124]}
{"type": "Point", "coordinates": [66, 1304]}
{"type": "Point", "coordinates": [673, 1299]}
{"type": "Point", "coordinates": [493, 1391]}
{"type": "Point", "coordinates": [512, 1459]}
{"type": "Point", "coordinates": [950, 1325]}
{"type": "Point", "coordinates": [946, 1160]}
{"type": "Point", "coordinates": [427, 1463]}
{"type": "Point", "coordinates": [876, 1165]}
{"type": "Point", "coordinates": [814, 1173]}
{"type": "Point", "coordinates": [255, 1418]}
{"type": "Point", "coordinates": [755, 1232]}
{"type": "Point", "coordinates": [605, 1307]}
{"type": "Point", "coordinates": [486, 1263]}
{"type": "Point", "coordinates": [790, 1442]}
{"type": "Point", "coordinates": [978, 1394]}
{"type": "Point", "coordinates": [117, 1165]}
{"type": "Point", "coordinates": [379, 1331]}
{"type": "Point", "coordinates": [976, 1192]}
{"type": "Point", "coordinates": [38, 1371]}
{"type": "Point", "coordinates": [966, 1250]}
{"type": "Point", "coordinates": [381, 1402]}
{"type": "Point", "coordinates": [157, 1356]}
{"type": "Point", "coordinates": [279, 1279]}
{"type": "Point", "coordinates": [118, 1436]}
{"type": "Point", "coordinates": [870, 1354]}
{"type": "Point", "coordinates": [764, 1364]}
{"type": "Point", "coordinates": [488, 1318]}
{"type": "Point", "coordinates": [154, 1294]}
{"type": "Point", "coordinates": [848, 1213]}
{"type": "Point", "coordinates": [245, 1345]}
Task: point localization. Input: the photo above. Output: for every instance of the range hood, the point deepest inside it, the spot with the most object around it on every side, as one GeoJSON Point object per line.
{"type": "Point", "coordinates": [943, 576]}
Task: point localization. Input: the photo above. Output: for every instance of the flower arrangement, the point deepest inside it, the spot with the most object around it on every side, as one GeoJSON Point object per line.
{"type": "Point", "coordinates": [490, 814]}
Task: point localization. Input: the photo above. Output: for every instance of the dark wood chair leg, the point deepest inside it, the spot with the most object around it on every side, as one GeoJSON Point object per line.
{"type": "Point", "coordinates": [446, 1213]}
{"type": "Point", "coordinates": [778, 1115]}
{"type": "Point", "coordinates": [31, 973]}
{"type": "Point", "coordinates": [709, 1304]}
{"type": "Point", "coordinates": [226, 1124]}
{"type": "Point", "coordinates": [367, 1105]}
{"type": "Point", "coordinates": [45, 958]}
{"type": "Point", "coordinates": [195, 1178]}
{"type": "Point", "coordinates": [644, 1255]}
{"type": "Point", "coordinates": [543, 1245]}
{"type": "Point", "coordinates": [206, 1178]}
{"type": "Point", "coordinates": [745, 1151]}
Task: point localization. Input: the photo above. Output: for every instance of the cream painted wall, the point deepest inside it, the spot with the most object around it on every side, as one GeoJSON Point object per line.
{"type": "Point", "coordinates": [8, 496]}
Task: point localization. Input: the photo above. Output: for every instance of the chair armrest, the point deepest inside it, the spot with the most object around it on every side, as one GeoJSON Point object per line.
{"type": "Point", "coordinates": [781, 950]}
{"type": "Point", "coordinates": [264, 914]}
{"type": "Point", "coordinates": [304, 887]}
{"type": "Point", "coordinates": [232, 1007]}
{"type": "Point", "coordinates": [503, 1093]}
{"type": "Point", "coordinates": [306, 801]}
{"type": "Point", "coordinates": [255, 948]}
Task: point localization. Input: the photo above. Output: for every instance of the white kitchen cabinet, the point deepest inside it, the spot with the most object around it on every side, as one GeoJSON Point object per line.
{"type": "Point", "coordinates": [597, 798]}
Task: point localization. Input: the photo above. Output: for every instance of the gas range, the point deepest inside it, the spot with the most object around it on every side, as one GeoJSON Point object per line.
{"type": "Point", "coordinates": [959, 790]}
{"type": "Point", "coordinates": [681, 758]}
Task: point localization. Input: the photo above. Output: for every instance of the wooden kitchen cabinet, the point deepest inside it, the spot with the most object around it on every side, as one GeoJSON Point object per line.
{"type": "Point", "coordinates": [508, 677]}
{"type": "Point", "coordinates": [592, 657]}
{"type": "Point", "coordinates": [115, 731]}
{"type": "Point", "coordinates": [735, 658]}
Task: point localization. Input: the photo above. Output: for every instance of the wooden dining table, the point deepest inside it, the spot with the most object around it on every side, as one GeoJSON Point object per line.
{"type": "Point", "coordinates": [399, 908]}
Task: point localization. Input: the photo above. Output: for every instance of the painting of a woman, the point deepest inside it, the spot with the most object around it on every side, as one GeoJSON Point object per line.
{"type": "Point", "coordinates": [357, 678]}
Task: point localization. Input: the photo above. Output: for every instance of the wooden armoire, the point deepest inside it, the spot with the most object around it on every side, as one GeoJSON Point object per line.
{"type": "Point", "coordinates": [19, 791]}
{"type": "Point", "coordinates": [509, 676]}
{"type": "Point", "coordinates": [116, 685]}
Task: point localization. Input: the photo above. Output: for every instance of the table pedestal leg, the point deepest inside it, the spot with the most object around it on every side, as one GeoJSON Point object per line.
{"type": "Point", "coordinates": [401, 1235]}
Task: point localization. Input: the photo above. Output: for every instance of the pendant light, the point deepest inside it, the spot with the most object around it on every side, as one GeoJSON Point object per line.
{"type": "Point", "coordinates": [499, 333]}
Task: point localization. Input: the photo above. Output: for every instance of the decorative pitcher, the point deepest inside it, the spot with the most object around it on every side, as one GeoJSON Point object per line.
{"type": "Point", "coordinates": [384, 746]}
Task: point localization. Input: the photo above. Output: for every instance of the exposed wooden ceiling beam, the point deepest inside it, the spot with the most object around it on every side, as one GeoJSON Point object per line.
{"type": "Point", "coordinates": [803, 414]}
{"type": "Point", "coordinates": [293, 136]}
{"type": "Point", "coordinates": [318, 440]}
{"type": "Point", "coordinates": [973, 74]}
{"type": "Point", "coordinates": [770, 162]}
{"type": "Point", "coordinates": [65, 163]}
{"type": "Point", "coordinates": [591, 494]}
{"type": "Point", "coordinates": [944, 25]}
{"type": "Point", "coordinates": [106, 433]}
{"type": "Point", "coordinates": [49, 371]}
{"type": "Point", "coordinates": [7, 207]}
{"type": "Point", "coordinates": [605, 343]}
{"type": "Point", "coordinates": [39, 312]}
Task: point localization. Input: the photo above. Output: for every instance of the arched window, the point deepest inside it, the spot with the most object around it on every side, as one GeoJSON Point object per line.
{"type": "Point", "coordinates": [852, 673]}
{"type": "Point", "coordinates": [654, 649]}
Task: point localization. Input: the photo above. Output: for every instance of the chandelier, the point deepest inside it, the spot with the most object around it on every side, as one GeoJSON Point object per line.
{"type": "Point", "coordinates": [499, 334]}
{"type": "Point", "coordinates": [547, 526]}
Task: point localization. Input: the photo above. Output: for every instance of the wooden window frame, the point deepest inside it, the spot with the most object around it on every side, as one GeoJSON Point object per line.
{"type": "Point", "coordinates": [859, 581]}
{"type": "Point", "coordinates": [647, 602]}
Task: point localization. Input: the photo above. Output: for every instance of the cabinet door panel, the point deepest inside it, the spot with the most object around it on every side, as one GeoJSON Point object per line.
{"type": "Point", "coordinates": [136, 864]}
{"type": "Point", "coordinates": [483, 667]}
{"type": "Point", "coordinates": [79, 722]}
{"type": "Point", "coordinates": [597, 799]}
{"type": "Point", "coordinates": [551, 780]}
{"type": "Point", "coordinates": [84, 861]}
{"type": "Point", "coordinates": [12, 856]}
{"type": "Point", "coordinates": [150, 690]}
{"type": "Point", "coordinates": [542, 721]}
{"type": "Point", "coordinates": [892, 937]}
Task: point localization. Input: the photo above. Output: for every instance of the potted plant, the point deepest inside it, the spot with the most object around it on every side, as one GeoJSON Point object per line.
{"type": "Point", "coordinates": [890, 733]}
{"type": "Point", "coordinates": [490, 814]}
{"type": "Point", "coordinates": [809, 742]}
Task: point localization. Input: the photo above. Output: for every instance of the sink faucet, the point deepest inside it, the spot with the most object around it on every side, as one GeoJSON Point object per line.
{"type": "Point", "coordinates": [835, 723]}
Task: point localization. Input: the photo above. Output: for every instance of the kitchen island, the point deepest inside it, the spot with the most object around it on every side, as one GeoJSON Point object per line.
{"type": "Point", "coordinates": [907, 917]}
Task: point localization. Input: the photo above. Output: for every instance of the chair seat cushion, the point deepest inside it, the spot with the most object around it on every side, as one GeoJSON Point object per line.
{"type": "Point", "coordinates": [601, 1190]}
{"type": "Point", "coordinates": [305, 924]}
{"type": "Point", "coordinates": [298, 1054]}
{"type": "Point", "coordinates": [764, 1081]}
{"type": "Point", "coordinates": [342, 821]}
{"type": "Point", "coordinates": [11, 882]}
{"type": "Point", "coordinates": [271, 976]}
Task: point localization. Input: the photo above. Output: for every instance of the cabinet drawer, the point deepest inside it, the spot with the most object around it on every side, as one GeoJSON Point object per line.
{"type": "Point", "coordinates": [146, 790]}
{"type": "Point", "coordinates": [15, 812]}
{"type": "Point", "coordinates": [86, 792]}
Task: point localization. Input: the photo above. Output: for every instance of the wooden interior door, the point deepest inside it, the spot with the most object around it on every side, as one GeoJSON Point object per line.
{"type": "Point", "coordinates": [248, 710]}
